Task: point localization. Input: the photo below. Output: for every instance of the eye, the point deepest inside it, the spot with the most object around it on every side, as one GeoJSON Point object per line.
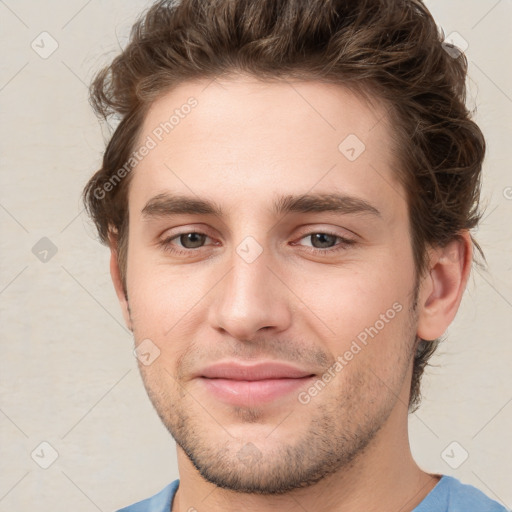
{"type": "Point", "coordinates": [191, 240]}
{"type": "Point", "coordinates": [326, 243]}
{"type": "Point", "coordinates": [322, 240]}
{"type": "Point", "coordinates": [187, 242]}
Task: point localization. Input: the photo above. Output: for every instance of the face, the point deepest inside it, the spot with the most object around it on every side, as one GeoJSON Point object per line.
{"type": "Point", "coordinates": [270, 267]}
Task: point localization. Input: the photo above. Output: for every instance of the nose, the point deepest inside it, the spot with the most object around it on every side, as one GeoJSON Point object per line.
{"type": "Point", "coordinates": [249, 299]}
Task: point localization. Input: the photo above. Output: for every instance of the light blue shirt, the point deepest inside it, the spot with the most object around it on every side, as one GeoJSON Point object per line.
{"type": "Point", "coordinates": [449, 495]}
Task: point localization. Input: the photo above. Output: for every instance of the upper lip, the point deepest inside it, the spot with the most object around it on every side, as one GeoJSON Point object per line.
{"type": "Point", "coordinates": [255, 371]}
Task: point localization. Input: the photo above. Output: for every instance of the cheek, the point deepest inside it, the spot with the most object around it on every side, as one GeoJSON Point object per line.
{"type": "Point", "coordinates": [352, 299]}
{"type": "Point", "coordinates": [164, 299]}
{"type": "Point", "coordinates": [367, 310]}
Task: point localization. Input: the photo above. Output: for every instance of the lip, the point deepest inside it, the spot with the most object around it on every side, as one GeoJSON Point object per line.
{"type": "Point", "coordinates": [255, 371]}
{"type": "Point", "coordinates": [252, 384]}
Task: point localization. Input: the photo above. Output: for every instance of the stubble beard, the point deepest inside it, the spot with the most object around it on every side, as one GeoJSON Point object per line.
{"type": "Point", "coordinates": [338, 431]}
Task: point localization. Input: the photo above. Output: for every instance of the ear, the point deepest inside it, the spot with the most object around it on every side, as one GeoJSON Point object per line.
{"type": "Point", "coordinates": [442, 288]}
{"type": "Point", "coordinates": [115, 274]}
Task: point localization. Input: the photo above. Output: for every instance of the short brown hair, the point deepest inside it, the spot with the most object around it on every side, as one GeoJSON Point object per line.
{"type": "Point", "coordinates": [391, 49]}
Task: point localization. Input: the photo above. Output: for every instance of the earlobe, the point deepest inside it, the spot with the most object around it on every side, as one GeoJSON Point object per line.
{"type": "Point", "coordinates": [115, 274]}
{"type": "Point", "coordinates": [442, 289]}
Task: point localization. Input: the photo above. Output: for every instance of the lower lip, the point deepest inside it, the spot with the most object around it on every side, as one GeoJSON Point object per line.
{"type": "Point", "coordinates": [244, 392]}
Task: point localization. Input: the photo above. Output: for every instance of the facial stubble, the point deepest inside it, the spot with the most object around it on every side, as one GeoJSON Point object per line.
{"type": "Point", "coordinates": [334, 432]}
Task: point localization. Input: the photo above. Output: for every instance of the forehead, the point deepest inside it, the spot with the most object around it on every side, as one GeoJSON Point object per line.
{"type": "Point", "coordinates": [214, 138]}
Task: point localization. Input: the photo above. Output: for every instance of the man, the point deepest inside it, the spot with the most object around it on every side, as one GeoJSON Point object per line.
{"type": "Point", "coordinates": [287, 199]}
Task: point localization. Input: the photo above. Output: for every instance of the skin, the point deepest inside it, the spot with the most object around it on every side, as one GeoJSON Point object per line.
{"type": "Point", "coordinates": [243, 145]}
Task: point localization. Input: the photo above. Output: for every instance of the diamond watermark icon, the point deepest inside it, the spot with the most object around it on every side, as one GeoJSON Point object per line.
{"type": "Point", "coordinates": [351, 147]}
{"type": "Point", "coordinates": [249, 249]}
{"type": "Point", "coordinates": [44, 455]}
{"type": "Point", "coordinates": [249, 454]}
{"type": "Point", "coordinates": [146, 352]}
{"type": "Point", "coordinates": [44, 250]}
{"type": "Point", "coordinates": [454, 455]}
{"type": "Point", "coordinates": [44, 45]}
{"type": "Point", "coordinates": [454, 45]}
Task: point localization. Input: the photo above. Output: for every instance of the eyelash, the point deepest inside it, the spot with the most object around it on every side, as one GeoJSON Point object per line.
{"type": "Point", "coordinates": [342, 245]}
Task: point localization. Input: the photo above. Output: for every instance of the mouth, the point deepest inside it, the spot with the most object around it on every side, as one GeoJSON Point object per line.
{"type": "Point", "coordinates": [253, 384]}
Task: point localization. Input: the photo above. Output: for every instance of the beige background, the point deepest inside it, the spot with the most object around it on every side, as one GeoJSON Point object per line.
{"type": "Point", "coordinates": [68, 376]}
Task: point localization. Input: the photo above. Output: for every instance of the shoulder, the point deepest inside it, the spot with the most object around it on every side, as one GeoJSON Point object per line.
{"type": "Point", "coordinates": [160, 502]}
{"type": "Point", "coordinates": [451, 495]}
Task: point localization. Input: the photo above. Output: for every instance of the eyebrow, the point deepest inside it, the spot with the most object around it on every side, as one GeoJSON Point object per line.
{"type": "Point", "coordinates": [166, 204]}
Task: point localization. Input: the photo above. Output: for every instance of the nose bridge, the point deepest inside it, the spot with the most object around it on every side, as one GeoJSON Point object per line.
{"type": "Point", "coordinates": [250, 297]}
